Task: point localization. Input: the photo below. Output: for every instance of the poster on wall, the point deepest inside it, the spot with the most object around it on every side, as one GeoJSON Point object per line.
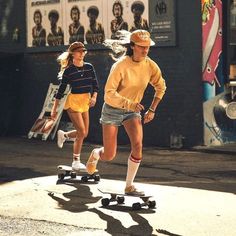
{"type": "Point", "coordinates": [162, 22]}
{"type": "Point", "coordinates": [45, 23]}
{"type": "Point", "coordinates": [84, 21]}
{"type": "Point", "coordinates": [126, 15]}
{"type": "Point", "coordinates": [61, 22]}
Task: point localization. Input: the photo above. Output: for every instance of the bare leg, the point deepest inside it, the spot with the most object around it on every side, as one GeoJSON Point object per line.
{"type": "Point", "coordinates": [71, 134]}
{"type": "Point", "coordinates": [107, 152]}
{"type": "Point", "coordinates": [81, 123]}
{"type": "Point", "coordinates": [134, 130]}
{"type": "Point", "coordinates": [109, 133]}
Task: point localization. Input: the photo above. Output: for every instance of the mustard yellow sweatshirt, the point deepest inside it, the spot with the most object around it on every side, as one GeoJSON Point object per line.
{"type": "Point", "coordinates": [128, 80]}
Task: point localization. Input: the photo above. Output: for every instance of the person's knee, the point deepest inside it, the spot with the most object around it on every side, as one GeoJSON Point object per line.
{"type": "Point", "coordinates": [81, 134]}
{"type": "Point", "coordinates": [86, 134]}
{"type": "Point", "coordinates": [137, 146]}
{"type": "Point", "coordinates": [108, 155]}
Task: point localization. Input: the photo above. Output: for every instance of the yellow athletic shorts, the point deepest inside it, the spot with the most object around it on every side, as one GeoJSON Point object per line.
{"type": "Point", "coordinates": [78, 102]}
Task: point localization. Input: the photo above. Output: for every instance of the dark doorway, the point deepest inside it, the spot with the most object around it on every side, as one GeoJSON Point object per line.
{"type": "Point", "coordinates": [10, 77]}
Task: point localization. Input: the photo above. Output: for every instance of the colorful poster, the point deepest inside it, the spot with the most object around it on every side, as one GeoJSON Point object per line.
{"type": "Point", "coordinates": [219, 105]}
{"type": "Point", "coordinates": [212, 46]}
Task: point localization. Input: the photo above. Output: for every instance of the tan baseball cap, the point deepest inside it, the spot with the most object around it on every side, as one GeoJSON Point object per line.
{"type": "Point", "coordinates": [76, 46]}
{"type": "Point", "coordinates": [141, 38]}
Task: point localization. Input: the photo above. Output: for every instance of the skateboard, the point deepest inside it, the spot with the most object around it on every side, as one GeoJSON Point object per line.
{"type": "Point", "coordinates": [45, 125]}
{"type": "Point", "coordinates": [65, 171]}
{"type": "Point", "coordinates": [120, 199]}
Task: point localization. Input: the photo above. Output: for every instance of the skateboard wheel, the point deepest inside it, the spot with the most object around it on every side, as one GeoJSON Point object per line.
{"type": "Point", "coordinates": [151, 204]}
{"type": "Point", "coordinates": [97, 178]}
{"type": "Point", "coordinates": [61, 176]}
{"type": "Point", "coordinates": [105, 202]}
{"type": "Point", "coordinates": [120, 200]}
{"type": "Point", "coordinates": [73, 175]}
{"type": "Point", "coordinates": [84, 178]}
{"type": "Point", "coordinates": [136, 206]}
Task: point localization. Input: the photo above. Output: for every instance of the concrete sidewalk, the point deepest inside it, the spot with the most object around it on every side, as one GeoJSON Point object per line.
{"type": "Point", "coordinates": [179, 211]}
{"type": "Point", "coordinates": [22, 158]}
{"type": "Point", "coordinates": [194, 190]}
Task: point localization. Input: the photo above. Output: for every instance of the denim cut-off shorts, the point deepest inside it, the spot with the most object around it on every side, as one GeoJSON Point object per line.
{"type": "Point", "coordinates": [116, 116]}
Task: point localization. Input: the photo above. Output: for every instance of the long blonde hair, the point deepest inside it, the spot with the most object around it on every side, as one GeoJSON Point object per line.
{"type": "Point", "coordinates": [119, 45]}
{"type": "Point", "coordinates": [65, 60]}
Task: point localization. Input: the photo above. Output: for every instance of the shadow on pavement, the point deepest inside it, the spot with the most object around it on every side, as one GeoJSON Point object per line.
{"type": "Point", "coordinates": [115, 227]}
{"type": "Point", "coordinates": [124, 208]}
{"type": "Point", "coordinates": [9, 174]}
{"type": "Point", "coordinates": [165, 232]}
{"type": "Point", "coordinates": [72, 182]}
{"type": "Point", "coordinates": [76, 201]}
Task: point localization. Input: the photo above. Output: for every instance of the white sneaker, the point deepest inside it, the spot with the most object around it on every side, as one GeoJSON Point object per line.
{"type": "Point", "coordinates": [77, 165]}
{"type": "Point", "coordinates": [60, 138]}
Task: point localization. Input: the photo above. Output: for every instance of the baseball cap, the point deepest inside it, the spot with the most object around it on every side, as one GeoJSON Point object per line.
{"type": "Point", "coordinates": [141, 38]}
{"type": "Point", "coordinates": [76, 46]}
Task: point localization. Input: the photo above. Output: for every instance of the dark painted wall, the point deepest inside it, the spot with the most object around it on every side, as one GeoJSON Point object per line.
{"type": "Point", "coordinates": [10, 83]}
{"type": "Point", "coordinates": [12, 17]}
{"type": "Point", "coordinates": [181, 109]}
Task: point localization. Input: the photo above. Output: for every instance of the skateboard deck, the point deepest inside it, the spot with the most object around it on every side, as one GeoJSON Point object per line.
{"type": "Point", "coordinates": [67, 171]}
{"type": "Point", "coordinates": [44, 125]}
{"type": "Point", "coordinates": [120, 199]}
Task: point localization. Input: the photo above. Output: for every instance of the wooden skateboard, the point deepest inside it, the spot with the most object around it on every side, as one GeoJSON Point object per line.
{"type": "Point", "coordinates": [120, 199]}
{"type": "Point", "coordinates": [67, 171]}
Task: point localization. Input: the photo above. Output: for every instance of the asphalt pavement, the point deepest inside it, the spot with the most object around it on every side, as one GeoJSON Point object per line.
{"type": "Point", "coordinates": [194, 191]}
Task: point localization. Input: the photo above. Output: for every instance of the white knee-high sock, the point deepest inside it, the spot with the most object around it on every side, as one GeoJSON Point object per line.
{"type": "Point", "coordinates": [133, 165]}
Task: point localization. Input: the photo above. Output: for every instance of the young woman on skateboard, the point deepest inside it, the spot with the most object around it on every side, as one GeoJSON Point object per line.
{"type": "Point", "coordinates": [124, 90]}
{"type": "Point", "coordinates": [83, 82]}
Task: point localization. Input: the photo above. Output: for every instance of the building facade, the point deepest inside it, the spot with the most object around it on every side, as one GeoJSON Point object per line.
{"type": "Point", "coordinates": [28, 63]}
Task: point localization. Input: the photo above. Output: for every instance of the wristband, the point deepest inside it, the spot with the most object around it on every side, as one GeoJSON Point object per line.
{"type": "Point", "coordinates": [151, 110]}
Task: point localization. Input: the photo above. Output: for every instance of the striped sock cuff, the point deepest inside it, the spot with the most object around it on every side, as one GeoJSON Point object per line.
{"type": "Point", "coordinates": [76, 156]}
{"type": "Point", "coordinates": [134, 159]}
